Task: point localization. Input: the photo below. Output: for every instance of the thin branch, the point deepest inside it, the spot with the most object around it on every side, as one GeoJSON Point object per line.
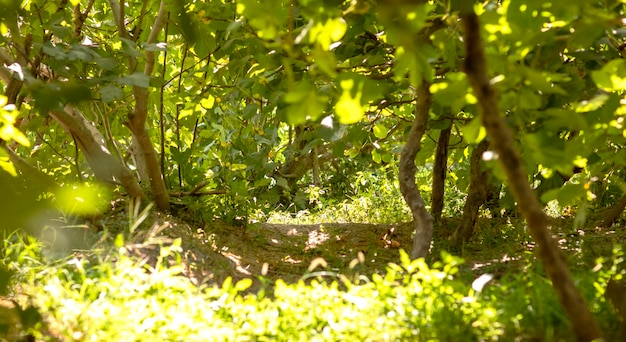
{"type": "Point", "coordinates": [119, 19]}
{"type": "Point", "coordinates": [159, 23]}
{"type": "Point", "coordinates": [79, 18]}
{"type": "Point", "coordinates": [142, 14]}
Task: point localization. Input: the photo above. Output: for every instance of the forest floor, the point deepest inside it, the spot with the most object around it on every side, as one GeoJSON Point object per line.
{"type": "Point", "coordinates": [265, 251]}
{"type": "Point", "coordinates": [213, 251]}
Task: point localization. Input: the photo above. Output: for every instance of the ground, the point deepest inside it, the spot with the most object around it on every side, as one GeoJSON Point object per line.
{"type": "Point", "coordinates": [216, 250]}
{"type": "Point", "coordinates": [213, 251]}
{"type": "Point", "coordinates": [210, 252]}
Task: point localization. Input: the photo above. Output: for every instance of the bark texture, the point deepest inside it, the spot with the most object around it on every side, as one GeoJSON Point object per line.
{"type": "Point", "coordinates": [583, 323]}
{"type": "Point", "coordinates": [422, 220]}
{"type": "Point", "coordinates": [476, 195]}
{"type": "Point", "coordinates": [106, 167]}
{"type": "Point", "coordinates": [614, 213]}
{"type": "Point", "coordinates": [137, 119]}
{"type": "Point", "coordinates": [439, 173]}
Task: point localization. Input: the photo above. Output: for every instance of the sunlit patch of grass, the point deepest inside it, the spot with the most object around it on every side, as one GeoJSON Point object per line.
{"type": "Point", "coordinates": [354, 210]}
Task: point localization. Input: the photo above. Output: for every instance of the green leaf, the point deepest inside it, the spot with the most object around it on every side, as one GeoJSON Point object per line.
{"type": "Point", "coordinates": [357, 92]}
{"type": "Point", "coordinates": [376, 157]}
{"type": "Point", "coordinates": [243, 284]}
{"type": "Point", "coordinates": [238, 167]}
{"type": "Point", "coordinates": [529, 99]}
{"type": "Point", "coordinates": [474, 132]}
{"type": "Point", "coordinates": [109, 64]}
{"type": "Point", "coordinates": [129, 48]}
{"type": "Point", "coordinates": [454, 91]}
{"type": "Point", "coordinates": [380, 131]}
{"type": "Point", "coordinates": [267, 17]}
{"type": "Point", "coordinates": [328, 32]}
{"type": "Point", "coordinates": [593, 104]}
{"type": "Point", "coordinates": [110, 93]}
{"type": "Point", "coordinates": [566, 195]}
{"type": "Point", "coordinates": [349, 108]}
{"type": "Point", "coordinates": [282, 182]}
{"type": "Point", "coordinates": [612, 76]}
{"type": "Point", "coordinates": [119, 241]}
{"type": "Point", "coordinates": [138, 79]}
{"type": "Point", "coordinates": [305, 103]}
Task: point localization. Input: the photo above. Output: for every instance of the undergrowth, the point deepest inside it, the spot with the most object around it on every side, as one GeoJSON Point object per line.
{"type": "Point", "coordinates": [112, 296]}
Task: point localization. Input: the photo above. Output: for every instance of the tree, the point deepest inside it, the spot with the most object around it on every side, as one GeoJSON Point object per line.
{"type": "Point", "coordinates": [256, 100]}
{"type": "Point", "coordinates": [476, 68]}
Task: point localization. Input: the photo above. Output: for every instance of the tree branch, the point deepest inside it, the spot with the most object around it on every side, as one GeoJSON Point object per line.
{"type": "Point", "coordinates": [159, 23]}
{"type": "Point", "coordinates": [583, 323]}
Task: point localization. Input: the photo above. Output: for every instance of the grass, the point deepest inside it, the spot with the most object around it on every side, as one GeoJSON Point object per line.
{"type": "Point", "coordinates": [285, 281]}
{"type": "Point", "coordinates": [112, 297]}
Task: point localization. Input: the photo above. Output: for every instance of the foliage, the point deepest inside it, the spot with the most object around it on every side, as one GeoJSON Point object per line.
{"type": "Point", "coordinates": [302, 107]}
{"type": "Point", "coordinates": [113, 296]}
{"type": "Point", "coordinates": [261, 104]}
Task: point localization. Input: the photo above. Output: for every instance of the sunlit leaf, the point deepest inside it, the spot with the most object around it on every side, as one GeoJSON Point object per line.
{"type": "Point", "coordinates": [83, 199]}
{"type": "Point", "coordinates": [380, 131]}
{"type": "Point", "coordinates": [328, 32]}
{"type": "Point", "coordinates": [612, 76]}
{"type": "Point", "coordinates": [349, 108]}
{"type": "Point", "coordinates": [474, 132]}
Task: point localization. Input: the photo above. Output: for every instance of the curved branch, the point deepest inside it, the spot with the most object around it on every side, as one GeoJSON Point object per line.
{"type": "Point", "coordinates": [119, 18]}
{"type": "Point", "coordinates": [583, 323]}
{"type": "Point", "coordinates": [105, 166]}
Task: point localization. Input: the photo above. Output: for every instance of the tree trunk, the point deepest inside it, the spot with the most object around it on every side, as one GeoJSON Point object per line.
{"type": "Point", "coordinates": [583, 323]}
{"type": "Point", "coordinates": [422, 220]}
{"type": "Point", "coordinates": [614, 213]}
{"type": "Point", "coordinates": [492, 202]}
{"type": "Point", "coordinates": [137, 120]}
{"type": "Point", "coordinates": [105, 166]}
{"type": "Point", "coordinates": [476, 195]}
{"type": "Point", "coordinates": [439, 173]}
{"type": "Point", "coordinates": [147, 153]}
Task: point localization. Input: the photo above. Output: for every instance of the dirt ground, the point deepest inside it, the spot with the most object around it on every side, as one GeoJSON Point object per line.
{"type": "Point", "coordinates": [216, 250]}
{"type": "Point", "coordinates": [290, 252]}
{"type": "Point", "coordinates": [213, 251]}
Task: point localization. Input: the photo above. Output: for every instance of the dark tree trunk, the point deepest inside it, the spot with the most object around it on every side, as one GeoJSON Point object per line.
{"type": "Point", "coordinates": [583, 322]}
{"type": "Point", "coordinates": [421, 218]}
{"type": "Point", "coordinates": [476, 195]}
{"type": "Point", "coordinates": [493, 196]}
{"type": "Point", "coordinates": [614, 213]}
{"type": "Point", "coordinates": [439, 173]}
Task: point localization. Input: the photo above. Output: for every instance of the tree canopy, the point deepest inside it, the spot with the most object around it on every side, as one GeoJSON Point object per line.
{"type": "Point", "coordinates": [250, 105]}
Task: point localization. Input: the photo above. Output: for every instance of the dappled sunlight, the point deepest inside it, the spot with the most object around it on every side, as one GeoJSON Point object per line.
{"type": "Point", "coordinates": [236, 259]}
{"type": "Point", "coordinates": [289, 259]}
{"type": "Point", "coordinates": [316, 238]}
{"type": "Point", "coordinates": [477, 266]}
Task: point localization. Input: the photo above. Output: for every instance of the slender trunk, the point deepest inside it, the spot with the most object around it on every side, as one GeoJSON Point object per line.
{"type": "Point", "coordinates": [137, 126]}
{"type": "Point", "coordinates": [422, 220]}
{"type": "Point", "coordinates": [476, 195]}
{"type": "Point", "coordinates": [439, 173]}
{"type": "Point", "coordinates": [583, 323]}
{"type": "Point", "coordinates": [614, 213]}
{"type": "Point", "coordinates": [137, 120]}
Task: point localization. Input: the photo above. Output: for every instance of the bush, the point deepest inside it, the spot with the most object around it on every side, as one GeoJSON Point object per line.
{"type": "Point", "coordinates": [118, 298]}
